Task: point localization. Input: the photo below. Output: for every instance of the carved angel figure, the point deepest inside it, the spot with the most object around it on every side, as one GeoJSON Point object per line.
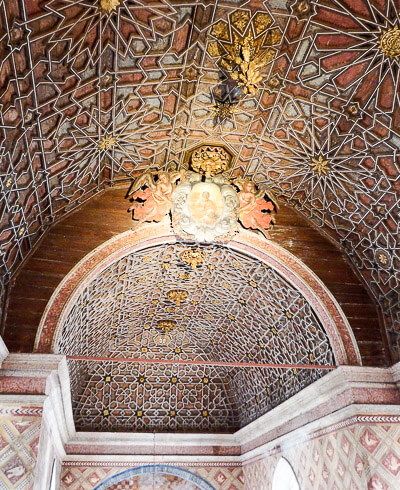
{"type": "Point", "coordinates": [255, 211]}
{"type": "Point", "coordinates": [151, 195]}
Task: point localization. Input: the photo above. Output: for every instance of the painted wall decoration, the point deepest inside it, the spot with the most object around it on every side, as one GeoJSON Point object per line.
{"type": "Point", "coordinates": [156, 476]}
{"type": "Point", "coordinates": [190, 304]}
{"type": "Point", "coordinates": [359, 457]}
{"type": "Point", "coordinates": [96, 94]}
{"type": "Point", "coordinates": [19, 442]}
{"type": "Point", "coordinates": [83, 477]}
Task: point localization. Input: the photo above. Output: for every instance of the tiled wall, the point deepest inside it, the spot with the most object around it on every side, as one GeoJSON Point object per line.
{"type": "Point", "coordinates": [360, 457]}
{"type": "Point", "coordinates": [86, 477]}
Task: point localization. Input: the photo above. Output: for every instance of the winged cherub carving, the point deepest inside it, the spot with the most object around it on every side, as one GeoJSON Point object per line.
{"type": "Point", "coordinates": [256, 207]}
{"type": "Point", "coordinates": [151, 195]}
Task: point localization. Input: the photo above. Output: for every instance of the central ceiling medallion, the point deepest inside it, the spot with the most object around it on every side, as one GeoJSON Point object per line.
{"type": "Point", "coordinates": [245, 45]}
{"type": "Point", "coordinates": [204, 203]}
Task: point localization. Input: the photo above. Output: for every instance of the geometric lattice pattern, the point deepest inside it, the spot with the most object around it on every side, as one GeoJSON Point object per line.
{"type": "Point", "coordinates": [19, 441]}
{"type": "Point", "coordinates": [71, 74]}
{"type": "Point", "coordinates": [237, 309]}
{"type": "Point", "coordinates": [357, 458]}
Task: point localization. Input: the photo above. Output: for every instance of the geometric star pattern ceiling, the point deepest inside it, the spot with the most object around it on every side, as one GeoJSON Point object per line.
{"type": "Point", "coordinates": [72, 74]}
{"type": "Point", "coordinates": [234, 309]}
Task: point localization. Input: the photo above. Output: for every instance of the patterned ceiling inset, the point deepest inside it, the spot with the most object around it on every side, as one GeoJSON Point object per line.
{"type": "Point", "coordinates": [236, 309]}
{"type": "Point", "coordinates": [90, 97]}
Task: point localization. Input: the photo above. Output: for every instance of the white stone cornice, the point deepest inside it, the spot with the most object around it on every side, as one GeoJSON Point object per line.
{"type": "Point", "coordinates": [125, 439]}
{"type": "Point", "coordinates": [3, 351]}
{"type": "Point", "coordinates": [31, 365]}
{"type": "Point", "coordinates": [345, 417]}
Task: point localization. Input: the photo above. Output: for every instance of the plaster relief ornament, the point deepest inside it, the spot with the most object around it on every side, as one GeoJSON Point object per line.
{"type": "Point", "coordinates": [256, 207]}
{"type": "Point", "coordinates": [205, 211]}
{"type": "Point", "coordinates": [151, 195]}
{"type": "Point", "coordinates": [205, 207]}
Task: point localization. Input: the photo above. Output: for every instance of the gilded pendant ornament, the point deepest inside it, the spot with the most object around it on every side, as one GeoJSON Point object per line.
{"type": "Point", "coordinates": [166, 326]}
{"type": "Point", "coordinates": [244, 55]}
{"type": "Point", "coordinates": [109, 5]}
{"type": "Point", "coordinates": [389, 42]}
{"type": "Point", "coordinates": [210, 160]}
{"type": "Point", "coordinates": [107, 142]}
{"type": "Point", "coordinates": [224, 110]}
{"type": "Point", "coordinates": [320, 165]}
{"type": "Point", "coordinates": [193, 257]}
{"type": "Point", "coordinates": [177, 296]}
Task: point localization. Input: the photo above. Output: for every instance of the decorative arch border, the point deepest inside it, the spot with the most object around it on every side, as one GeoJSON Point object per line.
{"type": "Point", "coordinates": [290, 267]}
{"type": "Point", "coordinates": [153, 469]}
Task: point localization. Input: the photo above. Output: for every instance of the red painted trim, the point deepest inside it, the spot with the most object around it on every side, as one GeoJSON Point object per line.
{"type": "Point", "coordinates": [183, 362]}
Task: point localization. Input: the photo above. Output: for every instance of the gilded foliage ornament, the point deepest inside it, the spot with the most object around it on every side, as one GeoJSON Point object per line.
{"type": "Point", "coordinates": [177, 296]}
{"type": "Point", "coordinates": [166, 326]}
{"type": "Point", "coordinates": [210, 160]}
{"type": "Point", "coordinates": [244, 56]}
{"type": "Point", "coordinates": [224, 110]}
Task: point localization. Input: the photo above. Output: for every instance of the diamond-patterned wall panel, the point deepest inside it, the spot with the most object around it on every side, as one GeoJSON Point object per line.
{"type": "Point", "coordinates": [19, 441]}
{"type": "Point", "coordinates": [356, 458]}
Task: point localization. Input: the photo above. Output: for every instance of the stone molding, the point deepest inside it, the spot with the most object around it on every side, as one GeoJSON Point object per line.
{"type": "Point", "coordinates": [346, 396]}
{"type": "Point", "coordinates": [3, 351]}
{"type": "Point", "coordinates": [344, 386]}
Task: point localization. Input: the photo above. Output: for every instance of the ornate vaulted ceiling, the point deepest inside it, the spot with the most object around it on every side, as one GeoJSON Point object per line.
{"type": "Point", "coordinates": [232, 308]}
{"type": "Point", "coordinates": [90, 97]}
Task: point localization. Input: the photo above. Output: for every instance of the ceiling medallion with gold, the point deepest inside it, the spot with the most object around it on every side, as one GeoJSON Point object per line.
{"type": "Point", "coordinates": [320, 165]}
{"type": "Point", "coordinates": [107, 142]}
{"type": "Point", "coordinates": [224, 110]}
{"type": "Point", "coordinates": [245, 45]}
